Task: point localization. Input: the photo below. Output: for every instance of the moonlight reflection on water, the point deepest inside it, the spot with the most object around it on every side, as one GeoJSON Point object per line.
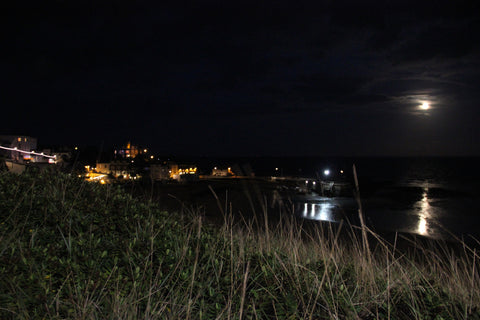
{"type": "Point", "coordinates": [424, 213]}
{"type": "Point", "coordinates": [435, 198]}
{"type": "Point", "coordinates": [420, 218]}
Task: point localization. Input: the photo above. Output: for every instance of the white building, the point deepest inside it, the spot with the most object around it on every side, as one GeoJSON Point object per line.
{"type": "Point", "coordinates": [19, 149]}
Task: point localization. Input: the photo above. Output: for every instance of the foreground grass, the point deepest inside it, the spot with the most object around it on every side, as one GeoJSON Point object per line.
{"type": "Point", "coordinates": [70, 249]}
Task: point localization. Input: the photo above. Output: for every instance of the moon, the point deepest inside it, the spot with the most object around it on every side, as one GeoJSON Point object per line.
{"type": "Point", "coordinates": [425, 106]}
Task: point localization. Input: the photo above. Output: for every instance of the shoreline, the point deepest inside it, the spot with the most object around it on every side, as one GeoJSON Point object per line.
{"type": "Point", "coordinates": [249, 198]}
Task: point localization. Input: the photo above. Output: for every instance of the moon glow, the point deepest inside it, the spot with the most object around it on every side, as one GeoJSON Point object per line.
{"type": "Point", "coordinates": [425, 106]}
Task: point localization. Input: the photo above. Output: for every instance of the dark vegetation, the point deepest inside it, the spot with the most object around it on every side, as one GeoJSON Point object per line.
{"type": "Point", "coordinates": [77, 250]}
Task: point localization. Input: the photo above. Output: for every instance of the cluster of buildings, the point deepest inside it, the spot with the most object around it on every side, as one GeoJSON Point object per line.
{"type": "Point", "coordinates": [129, 162]}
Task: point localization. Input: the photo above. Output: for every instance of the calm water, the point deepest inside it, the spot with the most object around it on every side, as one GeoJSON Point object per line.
{"type": "Point", "coordinates": [432, 197]}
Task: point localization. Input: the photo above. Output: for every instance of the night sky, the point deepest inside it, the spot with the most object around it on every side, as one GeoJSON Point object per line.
{"type": "Point", "coordinates": [228, 78]}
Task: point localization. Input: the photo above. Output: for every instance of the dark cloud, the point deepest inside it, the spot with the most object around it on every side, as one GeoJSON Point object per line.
{"type": "Point", "coordinates": [438, 41]}
{"type": "Point", "coordinates": [267, 74]}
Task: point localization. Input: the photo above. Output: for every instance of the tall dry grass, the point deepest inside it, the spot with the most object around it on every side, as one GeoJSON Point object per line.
{"type": "Point", "coordinates": [74, 250]}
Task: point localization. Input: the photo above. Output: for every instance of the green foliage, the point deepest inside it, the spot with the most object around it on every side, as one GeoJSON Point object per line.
{"type": "Point", "coordinates": [72, 249]}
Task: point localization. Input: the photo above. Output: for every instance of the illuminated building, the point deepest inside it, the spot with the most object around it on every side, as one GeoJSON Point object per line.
{"type": "Point", "coordinates": [221, 172]}
{"type": "Point", "coordinates": [120, 168]}
{"type": "Point", "coordinates": [19, 152]}
{"type": "Point", "coordinates": [128, 151]}
{"type": "Point", "coordinates": [19, 144]}
{"type": "Point", "coordinates": [115, 168]}
{"type": "Point", "coordinates": [173, 171]}
{"type": "Point", "coordinates": [103, 167]}
{"type": "Point", "coordinates": [185, 172]}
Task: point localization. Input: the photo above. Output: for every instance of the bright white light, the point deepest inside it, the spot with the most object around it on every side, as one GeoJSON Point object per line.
{"type": "Point", "coordinates": [326, 172]}
{"type": "Point", "coordinates": [424, 214]}
{"type": "Point", "coordinates": [29, 152]}
{"type": "Point", "coordinates": [425, 106]}
{"type": "Point", "coordinates": [422, 226]}
{"type": "Point", "coordinates": [318, 211]}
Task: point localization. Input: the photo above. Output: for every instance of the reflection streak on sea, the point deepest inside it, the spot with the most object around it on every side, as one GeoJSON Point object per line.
{"type": "Point", "coordinates": [322, 211]}
{"type": "Point", "coordinates": [424, 213]}
{"type": "Point", "coordinates": [410, 207]}
{"type": "Point", "coordinates": [432, 209]}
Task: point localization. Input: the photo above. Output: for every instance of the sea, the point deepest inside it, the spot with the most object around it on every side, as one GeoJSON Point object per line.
{"type": "Point", "coordinates": [433, 197]}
